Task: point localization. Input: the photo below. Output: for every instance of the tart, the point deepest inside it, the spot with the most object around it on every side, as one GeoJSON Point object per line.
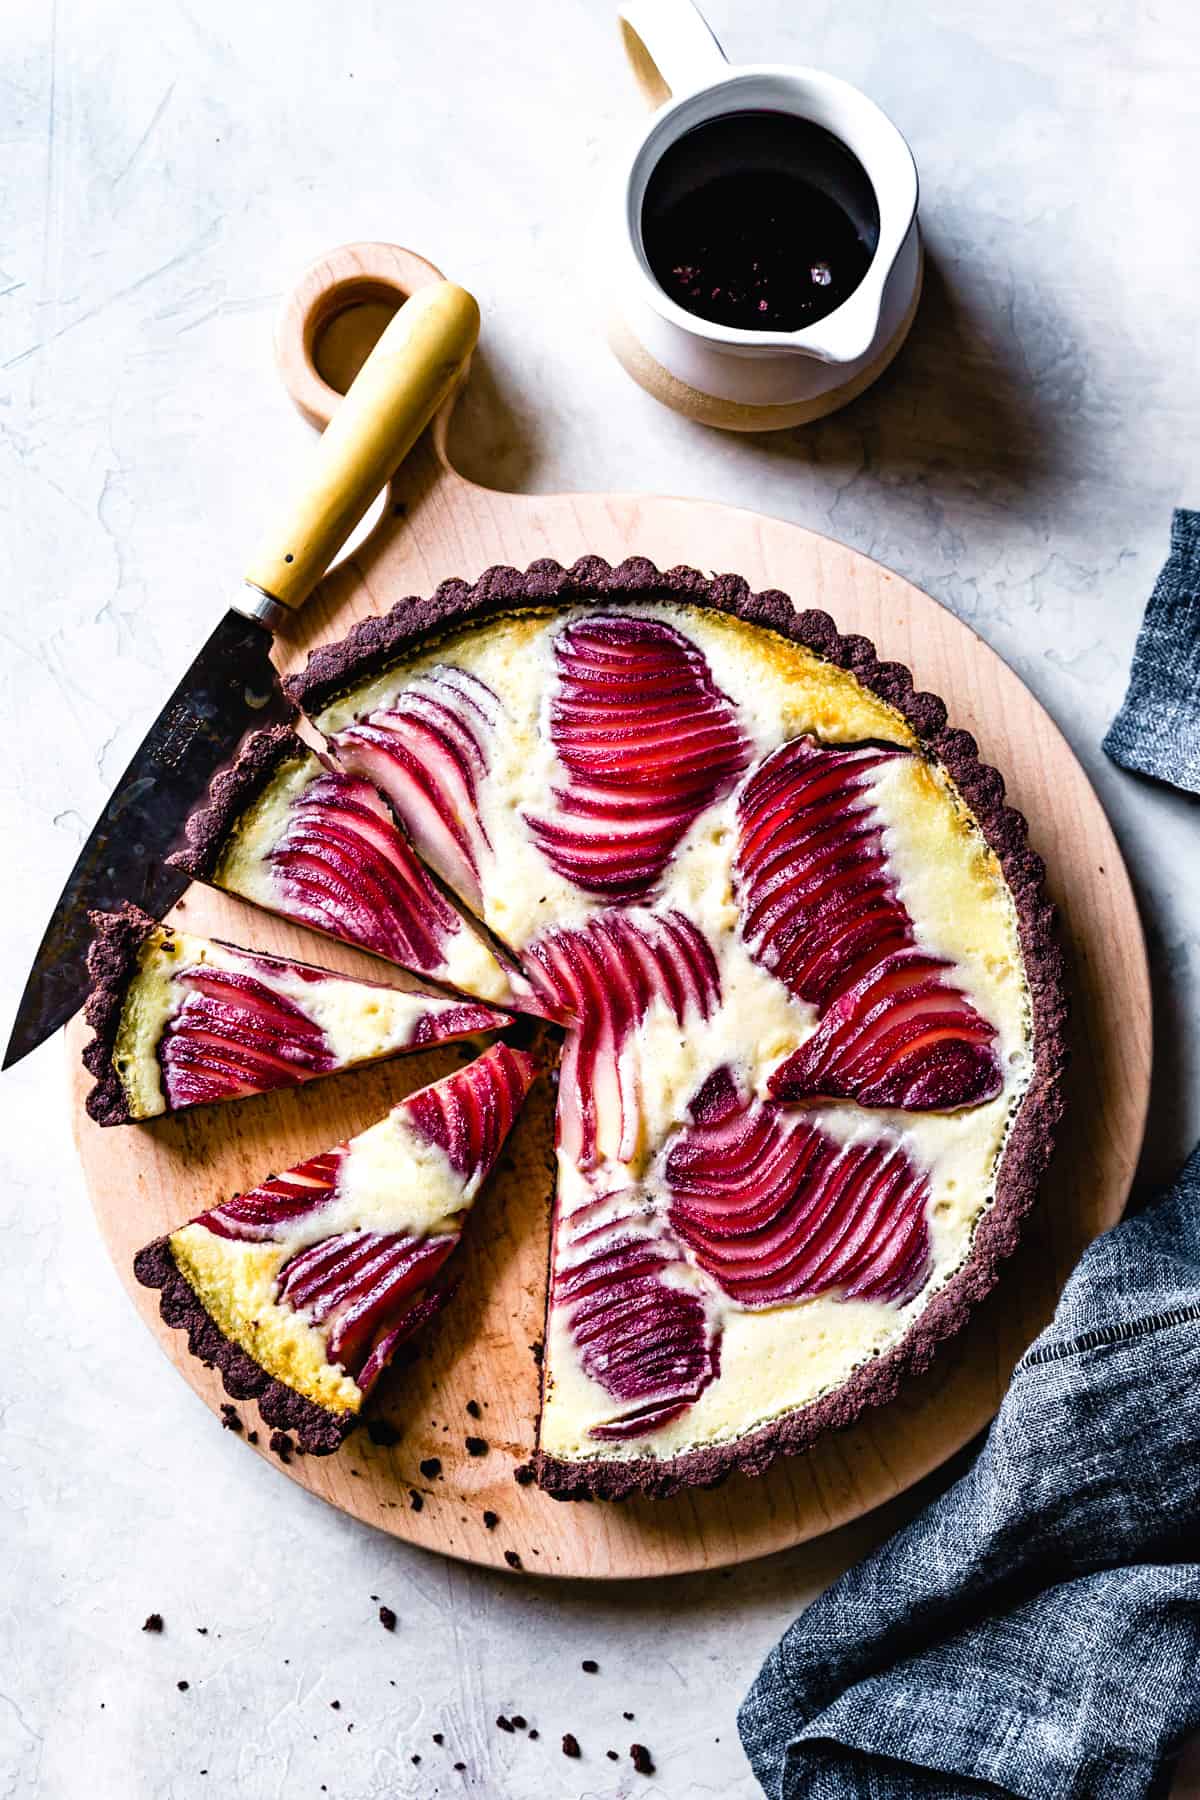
{"type": "Point", "coordinates": [302, 1290]}
{"type": "Point", "coordinates": [799, 953]}
{"type": "Point", "coordinates": [181, 1020]}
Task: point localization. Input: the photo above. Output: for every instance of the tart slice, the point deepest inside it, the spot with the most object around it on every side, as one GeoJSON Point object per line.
{"type": "Point", "coordinates": [181, 1020]}
{"type": "Point", "coordinates": [322, 848]}
{"type": "Point", "coordinates": [302, 1290]}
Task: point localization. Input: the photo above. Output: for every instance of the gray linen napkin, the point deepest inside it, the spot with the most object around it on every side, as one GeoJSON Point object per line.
{"type": "Point", "coordinates": [1036, 1631]}
{"type": "Point", "coordinates": [1157, 731]}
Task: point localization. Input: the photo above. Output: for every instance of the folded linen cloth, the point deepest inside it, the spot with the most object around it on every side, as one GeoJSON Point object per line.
{"type": "Point", "coordinates": [1157, 731]}
{"type": "Point", "coordinates": [1036, 1631]}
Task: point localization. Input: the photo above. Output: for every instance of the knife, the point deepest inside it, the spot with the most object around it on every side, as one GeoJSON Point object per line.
{"type": "Point", "coordinates": [232, 687]}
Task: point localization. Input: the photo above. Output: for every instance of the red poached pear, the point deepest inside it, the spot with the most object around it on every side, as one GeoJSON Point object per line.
{"type": "Point", "coordinates": [900, 1037]}
{"type": "Point", "coordinates": [470, 1114]}
{"type": "Point", "coordinates": [820, 908]}
{"type": "Point", "coordinates": [234, 1034]}
{"type": "Point", "coordinates": [775, 1210]}
{"type": "Point", "coordinates": [648, 741]}
{"type": "Point", "coordinates": [344, 867]}
{"type": "Point", "coordinates": [602, 979]}
{"type": "Point", "coordinates": [427, 751]}
{"type": "Point", "coordinates": [640, 1326]}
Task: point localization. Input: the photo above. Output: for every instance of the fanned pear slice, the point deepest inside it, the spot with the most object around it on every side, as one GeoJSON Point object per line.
{"type": "Point", "coordinates": [302, 1290]}
{"type": "Point", "coordinates": [323, 849]}
{"type": "Point", "coordinates": [181, 1020]}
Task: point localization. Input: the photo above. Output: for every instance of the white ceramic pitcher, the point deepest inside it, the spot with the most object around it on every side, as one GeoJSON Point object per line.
{"type": "Point", "coordinates": [683, 71]}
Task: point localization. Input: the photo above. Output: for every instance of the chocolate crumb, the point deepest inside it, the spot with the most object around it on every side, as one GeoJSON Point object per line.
{"type": "Point", "coordinates": [231, 1418]}
{"type": "Point", "coordinates": [537, 1350]}
{"type": "Point", "coordinates": [252, 1437]}
{"type": "Point", "coordinates": [534, 1732]}
{"type": "Point", "coordinates": [431, 1468]}
{"type": "Point", "coordinates": [589, 1666]}
{"type": "Point", "coordinates": [182, 1686]}
{"type": "Point", "coordinates": [474, 1408]}
{"type": "Point", "coordinates": [383, 1433]}
{"type": "Point", "coordinates": [504, 1724]}
{"type": "Point", "coordinates": [387, 1618]}
{"type": "Point", "coordinates": [491, 1520]}
{"type": "Point", "coordinates": [415, 1757]}
{"type": "Point", "coordinates": [627, 1715]}
{"type": "Point", "coordinates": [336, 1705]}
{"type": "Point", "coordinates": [415, 1500]}
{"type": "Point", "coordinates": [643, 1762]}
{"type": "Point", "coordinates": [477, 1446]}
{"type": "Point", "coordinates": [518, 1722]}
{"type": "Point", "coordinates": [439, 1737]}
{"type": "Point", "coordinates": [202, 1630]}
{"type": "Point", "coordinates": [523, 1476]}
{"type": "Point", "coordinates": [460, 1766]}
{"type": "Point", "coordinates": [513, 1560]}
{"type": "Point", "coordinates": [571, 1744]}
{"type": "Point", "coordinates": [154, 1622]}
{"type": "Point", "coordinates": [612, 1756]}
{"type": "Point", "coordinates": [282, 1445]}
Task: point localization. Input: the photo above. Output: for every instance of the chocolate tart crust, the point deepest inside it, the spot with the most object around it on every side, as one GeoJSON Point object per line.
{"type": "Point", "coordinates": [230, 792]}
{"type": "Point", "coordinates": [378, 643]}
{"type": "Point", "coordinates": [113, 960]}
{"type": "Point", "coordinates": [318, 1430]}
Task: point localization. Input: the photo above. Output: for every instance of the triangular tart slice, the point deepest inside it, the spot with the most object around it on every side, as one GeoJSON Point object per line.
{"type": "Point", "coordinates": [181, 1020]}
{"type": "Point", "coordinates": [302, 1290]}
{"type": "Point", "coordinates": [323, 848]}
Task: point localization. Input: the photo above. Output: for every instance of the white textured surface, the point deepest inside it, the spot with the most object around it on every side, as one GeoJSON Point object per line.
{"type": "Point", "coordinates": [169, 166]}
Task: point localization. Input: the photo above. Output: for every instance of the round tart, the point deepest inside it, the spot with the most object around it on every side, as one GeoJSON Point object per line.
{"type": "Point", "coordinates": [798, 951]}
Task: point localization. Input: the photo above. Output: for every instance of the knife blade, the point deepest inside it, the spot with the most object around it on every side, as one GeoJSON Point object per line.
{"type": "Point", "coordinates": [232, 686]}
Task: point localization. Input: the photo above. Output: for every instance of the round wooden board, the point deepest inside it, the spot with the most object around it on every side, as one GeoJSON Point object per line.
{"type": "Point", "coordinates": [146, 1180]}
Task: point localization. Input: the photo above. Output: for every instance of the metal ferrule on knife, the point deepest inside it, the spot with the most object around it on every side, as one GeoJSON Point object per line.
{"type": "Point", "coordinates": [255, 603]}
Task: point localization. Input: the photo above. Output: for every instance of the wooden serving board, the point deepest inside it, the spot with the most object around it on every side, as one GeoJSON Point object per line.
{"type": "Point", "coordinates": [147, 1179]}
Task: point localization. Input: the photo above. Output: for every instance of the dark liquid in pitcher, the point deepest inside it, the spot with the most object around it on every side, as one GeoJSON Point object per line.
{"type": "Point", "coordinates": [759, 220]}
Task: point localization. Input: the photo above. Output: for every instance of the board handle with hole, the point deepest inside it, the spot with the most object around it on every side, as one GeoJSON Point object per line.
{"type": "Point", "coordinates": [409, 373]}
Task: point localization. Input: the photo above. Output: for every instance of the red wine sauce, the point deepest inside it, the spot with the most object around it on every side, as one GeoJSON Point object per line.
{"type": "Point", "coordinates": [759, 220]}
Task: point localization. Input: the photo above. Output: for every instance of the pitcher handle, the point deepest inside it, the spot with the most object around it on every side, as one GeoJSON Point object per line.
{"type": "Point", "coordinates": [671, 49]}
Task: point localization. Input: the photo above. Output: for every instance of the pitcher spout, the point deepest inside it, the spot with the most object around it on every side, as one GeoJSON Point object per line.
{"type": "Point", "coordinates": [847, 334]}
